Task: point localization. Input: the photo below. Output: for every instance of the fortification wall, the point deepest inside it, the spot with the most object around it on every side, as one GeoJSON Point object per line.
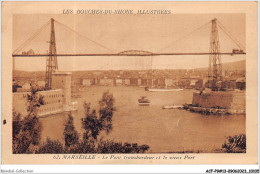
{"type": "Point", "coordinates": [226, 100]}
{"type": "Point", "coordinates": [239, 101]}
{"type": "Point", "coordinates": [20, 102]}
{"type": "Point", "coordinates": [52, 102]}
{"type": "Point", "coordinates": [212, 99]}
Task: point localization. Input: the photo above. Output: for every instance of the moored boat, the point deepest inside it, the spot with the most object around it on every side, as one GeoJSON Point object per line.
{"type": "Point", "coordinates": [172, 107]}
{"type": "Point", "coordinates": [143, 101]}
{"type": "Point", "coordinates": [163, 89]}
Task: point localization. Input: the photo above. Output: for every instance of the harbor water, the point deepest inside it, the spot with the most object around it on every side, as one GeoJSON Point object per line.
{"type": "Point", "coordinates": [164, 130]}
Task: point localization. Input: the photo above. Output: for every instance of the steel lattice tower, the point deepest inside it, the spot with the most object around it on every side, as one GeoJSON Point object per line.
{"type": "Point", "coordinates": [215, 66]}
{"type": "Point", "coordinates": [51, 60]}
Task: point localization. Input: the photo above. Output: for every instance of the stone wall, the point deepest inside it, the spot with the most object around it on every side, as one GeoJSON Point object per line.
{"type": "Point", "coordinates": [225, 100]}
{"type": "Point", "coordinates": [239, 101]}
{"type": "Point", "coordinates": [52, 102]}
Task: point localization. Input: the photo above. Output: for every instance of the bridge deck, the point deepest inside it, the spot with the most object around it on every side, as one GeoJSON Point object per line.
{"type": "Point", "coordinates": [116, 54]}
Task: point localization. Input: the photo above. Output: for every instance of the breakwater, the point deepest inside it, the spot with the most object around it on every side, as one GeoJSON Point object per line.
{"type": "Point", "coordinates": [218, 103]}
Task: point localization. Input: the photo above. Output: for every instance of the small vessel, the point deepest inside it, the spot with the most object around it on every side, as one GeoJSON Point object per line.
{"type": "Point", "coordinates": [143, 101]}
{"type": "Point", "coordinates": [162, 89]}
{"type": "Point", "coordinates": [172, 107]}
{"type": "Point", "coordinates": [76, 95]}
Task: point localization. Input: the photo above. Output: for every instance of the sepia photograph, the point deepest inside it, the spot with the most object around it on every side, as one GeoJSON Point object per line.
{"type": "Point", "coordinates": [172, 84]}
{"type": "Point", "coordinates": [143, 82]}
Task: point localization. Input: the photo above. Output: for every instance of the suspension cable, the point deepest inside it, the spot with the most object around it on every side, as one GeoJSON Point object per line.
{"type": "Point", "coordinates": [31, 38]}
{"type": "Point", "coordinates": [190, 33]}
{"type": "Point", "coordinates": [84, 36]}
{"type": "Point", "coordinates": [241, 46]}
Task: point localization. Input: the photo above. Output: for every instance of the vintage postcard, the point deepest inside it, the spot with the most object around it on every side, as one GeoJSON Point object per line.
{"type": "Point", "coordinates": [129, 83]}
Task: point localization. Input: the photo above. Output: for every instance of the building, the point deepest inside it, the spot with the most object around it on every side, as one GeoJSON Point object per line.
{"type": "Point", "coordinates": [149, 82]}
{"type": "Point", "coordinates": [139, 82]}
{"type": "Point", "coordinates": [229, 84]}
{"type": "Point", "coordinates": [56, 100]}
{"type": "Point", "coordinates": [106, 82]}
{"type": "Point", "coordinates": [241, 83]}
{"type": "Point", "coordinates": [118, 82]}
{"type": "Point", "coordinates": [143, 82]}
{"type": "Point", "coordinates": [169, 83]}
{"type": "Point", "coordinates": [52, 102]}
{"type": "Point", "coordinates": [155, 82]}
{"type": "Point", "coordinates": [87, 82]}
{"type": "Point", "coordinates": [193, 82]}
{"type": "Point", "coordinates": [29, 52]}
{"type": "Point", "coordinates": [62, 80]}
{"type": "Point", "coordinates": [127, 82]}
{"type": "Point", "coordinates": [161, 82]}
{"type": "Point", "coordinates": [199, 84]}
{"type": "Point", "coordinates": [26, 86]}
{"type": "Point", "coordinates": [41, 83]}
{"type": "Point", "coordinates": [184, 83]}
{"type": "Point", "coordinates": [133, 81]}
{"type": "Point", "coordinates": [96, 81]}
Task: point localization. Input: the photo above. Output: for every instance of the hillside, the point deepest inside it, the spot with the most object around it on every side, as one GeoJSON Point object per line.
{"type": "Point", "coordinates": [231, 66]}
{"type": "Point", "coordinates": [234, 66]}
{"type": "Point", "coordinates": [40, 75]}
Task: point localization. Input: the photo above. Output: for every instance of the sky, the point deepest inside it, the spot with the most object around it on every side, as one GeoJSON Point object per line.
{"type": "Point", "coordinates": [117, 33]}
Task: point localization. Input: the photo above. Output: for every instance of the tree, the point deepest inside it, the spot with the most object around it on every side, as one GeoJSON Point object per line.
{"type": "Point", "coordinates": [27, 130]}
{"type": "Point", "coordinates": [235, 144]}
{"type": "Point", "coordinates": [17, 124]}
{"type": "Point", "coordinates": [106, 111]}
{"type": "Point", "coordinates": [51, 146]}
{"type": "Point", "coordinates": [92, 123]}
{"type": "Point", "coordinates": [118, 147]}
{"type": "Point", "coordinates": [71, 136]}
{"type": "Point", "coordinates": [26, 134]}
{"type": "Point", "coordinates": [82, 147]}
{"type": "Point", "coordinates": [34, 101]}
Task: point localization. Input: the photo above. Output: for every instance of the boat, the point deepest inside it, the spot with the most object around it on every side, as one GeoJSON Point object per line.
{"type": "Point", "coordinates": [76, 95]}
{"type": "Point", "coordinates": [143, 101]}
{"type": "Point", "coordinates": [162, 89]}
{"type": "Point", "coordinates": [172, 107]}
